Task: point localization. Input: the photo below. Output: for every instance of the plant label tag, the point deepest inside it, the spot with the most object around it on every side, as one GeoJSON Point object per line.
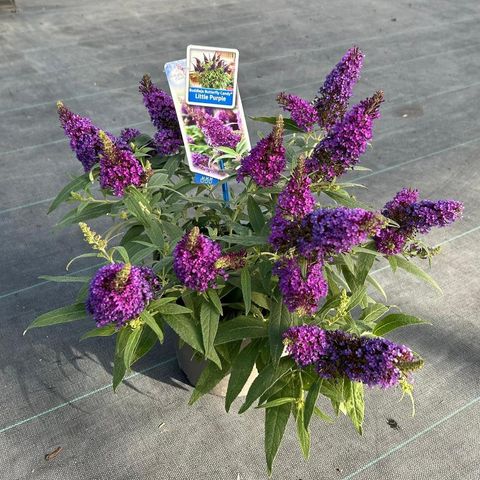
{"type": "Point", "coordinates": [215, 139]}
{"type": "Point", "coordinates": [212, 76]}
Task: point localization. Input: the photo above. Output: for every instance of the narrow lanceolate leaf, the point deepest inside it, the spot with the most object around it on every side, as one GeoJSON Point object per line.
{"type": "Point", "coordinates": [246, 283]}
{"type": "Point", "coordinates": [149, 319]}
{"type": "Point", "coordinates": [276, 420]}
{"type": "Point", "coordinates": [266, 379]}
{"type": "Point", "coordinates": [303, 434]}
{"type": "Point", "coordinates": [257, 220]}
{"type": "Point", "coordinates": [277, 402]}
{"type": "Point", "coordinates": [119, 367]}
{"type": "Point", "coordinates": [91, 210]}
{"type": "Point", "coordinates": [105, 331]}
{"type": "Point", "coordinates": [363, 266]}
{"type": "Point", "coordinates": [65, 278]}
{"type": "Point", "coordinates": [354, 403]}
{"type": "Point", "coordinates": [357, 297]}
{"type": "Point", "coordinates": [131, 346]}
{"type": "Point", "coordinates": [209, 318]}
{"type": "Point", "coordinates": [210, 377]}
{"type": "Point", "coordinates": [215, 299]}
{"type": "Point", "coordinates": [147, 341]}
{"type": "Point", "coordinates": [67, 314]}
{"type": "Point", "coordinates": [374, 312]}
{"type": "Point", "coordinates": [240, 328]}
{"type": "Point", "coordinates": [169, 308]}
{"type": "Point", "coordinates": [410, 267]}
{"type": "Point", "coordinates": [311, 401]}
{"type": "Point", "coordinates": [78, 183]}
{"type": "Point", "coordinates": [288, 124]}
{"type": "Point", "coordinates": [242, 367]}
{"type": "Point", "coordinates": [279, 321]}
{"type": "Point", "coordinates": [185, 327]}
{"type": "Point", "coordinates": [393, 321]}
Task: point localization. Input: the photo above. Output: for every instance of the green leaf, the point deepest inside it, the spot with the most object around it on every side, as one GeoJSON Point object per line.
{"type": "Point", "coordinates": [149, 319]}
{"type": "Point", "coordinates": [147, 341]}
{"type": "Point", "coordinates": [139, 205]}
{"type": "Point", "coordinates": [78, 183]}
{"type": "Point", "coordinates": [105, 331]}
{"type": "Point", "coordinates": [374, 312]}
{"type": "Point", "coordinates": [247, 241]}
{"type": "Point", "coordinates": [246, 283]}
{"type": "Point", "coordinates": [354, 403]}
{"type": "Point", "coordinates": [215, 299]}
{"type": "Point", "coordinates": [65, 278]}
{"type": "Point", "coordinates": [311, 401]}
{"type": "Point", "coordinates": [257, 220]}
{"type": "Point", "coordinates": [279, 321]}
{"type": "Point", "coordinates": [287, 123]}
{"type": "Point", "coordinates": [89, 211]}
{"type": "Point", "coordinates": [131, 346]}
{"type": "Point", "coordinates": [119, 367]}
{"type": "Point", "coordinates": [185, 327]}
{"type": "Point", "coordinates": [363, 266]}
{"type": "Point", "coordinates": [356, 297]}
{"type": "Point", "coordinates": [276, 420]}
{"type": "Point", "coordinates": [155, 233]}
{"type": "Point", "coordinates": [323, 415]}
{"type": "Point", "coordinates": [141, 254]}
{"type": "Point", "coordinates": [410, 267]}
{"type": "Point", "coordinates": [123, 253]}
{"type": "Point", "coordinates": [395, 320]}
{"type": "Point", "coordinates": [171, 309]}
{"type": "Point", "coordinates": [71, 313]}
{"type": "Point", "coordinates": [210, 376]}
{"type": "Point", "coordinates": [155, 304]}
{"type": "Point", "coordinates": [376, 285]}
{"type": "Point", "coordinates": [266, 379]}
{"type": "Point", "coordinates": [240, 328]}
{"type": "Point", "coordinates": [242, 367]}
{"type": "Point", "coordinates": [277, 402]}
{"type": "Point", "coordinates": [303, 434]}
{"type": "Point", "coordinates": [209, 319]}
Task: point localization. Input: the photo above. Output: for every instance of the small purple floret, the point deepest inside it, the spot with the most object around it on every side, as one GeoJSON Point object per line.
{"type": "Point", "coordinates": [302, 112]}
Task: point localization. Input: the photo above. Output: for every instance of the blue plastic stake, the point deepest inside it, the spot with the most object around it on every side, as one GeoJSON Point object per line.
{"type": "Point", "coordinates": [226, 193]}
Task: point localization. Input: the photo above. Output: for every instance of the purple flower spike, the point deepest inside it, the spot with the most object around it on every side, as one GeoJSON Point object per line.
{"type": "Point", "coordinates": [167, 142]}
{"type": "Point", "coordinates": [347, 140]}
{"type": "Point", "coordinates": [83, 135]}
{"type": "Point", "coordinates": [294, 203]}
{"type": "Point", "coordinates": [266, 161]}
{"type": "Point", "coordinates": [159, 105]}
{"type": "Point", "coordinates": [301, 293]}
{"type": "Point", "coordinates": [337, 230]}
{"type": "Point", "coordinates": [119, 168]}
{"type": "Point", "coordinates": [302, 112]}
{"type": "Point", "coordinates": [120, 292]}
{"type": "Point", "coordinates": [338, 354]}
{"type": "Point", "coordinates": [331, 102]}
{"type": "Point", "coordinates": [305, 344]}
{"type": "Point", "coordinates": [194, 261]}
{"type": "Point", "coordinates": [413, 216]}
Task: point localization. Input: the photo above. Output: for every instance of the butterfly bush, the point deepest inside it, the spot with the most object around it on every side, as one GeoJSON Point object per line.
{"type": "Point", "coordinates": [277, 275]}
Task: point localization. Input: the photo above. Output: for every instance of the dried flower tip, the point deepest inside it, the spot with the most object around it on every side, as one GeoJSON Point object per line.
{"type": "Point", "coordinates": [192, 238]}
{"type": "Point", "coordinates": [92, 238]}
{"type": "Point", "coordinates": [108, 145]}
{"type": "Point", "coordinates": [135, 323]}
{"type": "Point", "coordinates": [373, 103]}
{"type": "Point", "coordinates": [122, 276]}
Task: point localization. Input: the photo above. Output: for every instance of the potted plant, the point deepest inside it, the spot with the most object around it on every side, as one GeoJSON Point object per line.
{"type": "Point", "coordinates": [277, 278]}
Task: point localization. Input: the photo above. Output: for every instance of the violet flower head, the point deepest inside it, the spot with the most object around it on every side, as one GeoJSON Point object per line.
{"type": "Point", "coordinates": [347, 140]}
{"type": "Point", "coordinates": [294, 203]}
{"type": "Point", "coordinates": [217, 134]}
{"type": "Point", "coordinates": [301, 291]}
{"type": "Point", "coordinates": [266, 161]}
{"type": "Point", "coordinates": [305, 344]}
{"type": "Point", "coordinates": [119, 168]}
{"type": "Point", "coordinates": [372, 361]}
{"type": "Point", "coordinates": [120, 292]}
{"type": "Point", "coordinates": [127, 135]}
{"type": "Point", "coordinates": [167, 141]}
{"type": "Point", "coordinates": [83, 135]}
{"type": "Point", "coordinates": [413, 216]}
{"type": "Point", "coordinates": [159, 104]}
{"type": "Point", "coordinates": [302, 112]}
{"type": "Point", "coordinates": [337, 230]}
{"type": "Point", "coordinates": [194, 261]}
{"type": "Point", "coordinates": [331, 101]}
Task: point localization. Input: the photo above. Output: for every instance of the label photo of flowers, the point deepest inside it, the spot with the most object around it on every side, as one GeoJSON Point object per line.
{"type": "Point", "coordinates": [215, 138]}
{"type": "Point", "coordinates": [212, 76]}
